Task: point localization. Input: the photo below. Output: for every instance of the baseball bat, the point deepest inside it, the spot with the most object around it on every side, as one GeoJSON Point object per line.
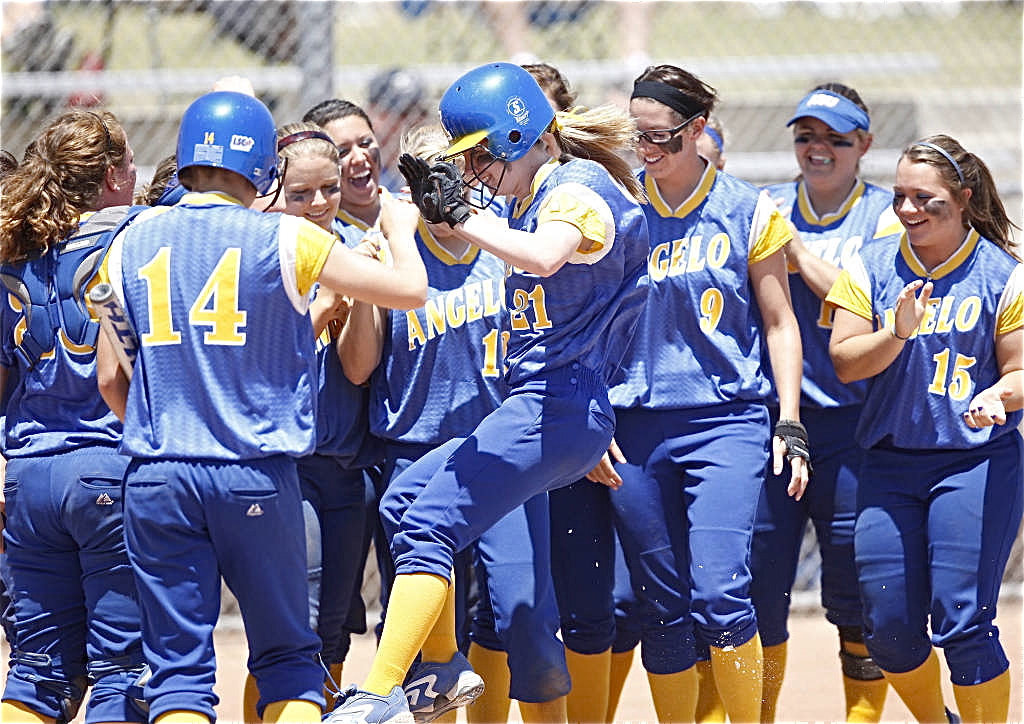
{"type": "Point", "coordinates": [115, 324]}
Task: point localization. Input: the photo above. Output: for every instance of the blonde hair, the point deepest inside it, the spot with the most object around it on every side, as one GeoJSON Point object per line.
{"type": "Point", "coordinates": [60, 178]}
{"type": "Point", "coordinates": [600, 134]}
{"type": "Point", "coordinates": [427, 141]}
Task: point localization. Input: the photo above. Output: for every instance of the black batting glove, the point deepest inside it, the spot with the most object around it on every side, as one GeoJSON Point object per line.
{"type": "Point", "coordinates": [417, 173]}
{"type": "Point", "coordinates": [794, 435]}
{"type": "Point", "coordinates": [449, 188]}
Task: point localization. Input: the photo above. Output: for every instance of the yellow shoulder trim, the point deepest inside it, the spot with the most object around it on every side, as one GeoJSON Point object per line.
{"type": "Point", "coordinates": [773, 236]}
{"type": "Point", "coordinates": [846, 294]}
{"type": "Point", "coordinates": [312, 246]}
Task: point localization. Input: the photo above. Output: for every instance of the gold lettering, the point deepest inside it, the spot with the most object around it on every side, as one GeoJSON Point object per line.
{"type": "Point", "coordinates": [412, 322]}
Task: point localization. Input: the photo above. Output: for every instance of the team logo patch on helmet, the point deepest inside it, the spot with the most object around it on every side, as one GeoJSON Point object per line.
{"type": "Point", "coordinates": [518, 110]}
{"type": "Point", "coordinates": [208, 153]}
{"type": "Point", "coordinates": [242, 143]}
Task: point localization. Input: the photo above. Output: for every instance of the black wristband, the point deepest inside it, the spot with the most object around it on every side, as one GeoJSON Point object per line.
{"type": "Point", "coordinates": [794, 434]}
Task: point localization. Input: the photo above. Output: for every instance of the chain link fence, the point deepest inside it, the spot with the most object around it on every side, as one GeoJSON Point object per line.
{"type": "Point", "coordinates": [922, 68]}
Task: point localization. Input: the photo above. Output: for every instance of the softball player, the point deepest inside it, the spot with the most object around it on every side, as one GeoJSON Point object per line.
{"type": "Point", "coordinates": [933, 319]}
{"type": "Point", "coordinates": [692, 423]}
{"type": "Point", "coordinates": [332, 478]}
{"type": "Point", "coordinates": [438, 380]}
{"type": "Point", "coordinates": [221, 400]}
{"type": "Point", "coordinates": [575, 243]}
{"type": "Point", "coordinates": [834, 213]}
{"type": "Point", "coordinates": [76, 620]}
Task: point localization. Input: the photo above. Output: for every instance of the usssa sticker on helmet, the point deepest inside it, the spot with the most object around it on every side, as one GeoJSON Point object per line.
{"type": "Point", "coordinates": [242, 143]}
{"type": "Point", "coordinates": [517, 109]}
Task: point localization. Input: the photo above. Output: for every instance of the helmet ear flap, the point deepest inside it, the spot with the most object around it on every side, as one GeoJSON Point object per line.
{"type": "Point", "coordinates": [233, 131]}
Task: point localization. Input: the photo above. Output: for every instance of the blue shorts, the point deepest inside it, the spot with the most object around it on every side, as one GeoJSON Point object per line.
{"type": "Point", "coordinates": [187, 523]}
{"type": "Point", "coordinates": [76, 617]}
{"type": "Point", "coordinates": [933, 535]}
{"type": "Point", "coordinates": [685, 517]}
{"type": "Point", "coordinates": [830, 502]}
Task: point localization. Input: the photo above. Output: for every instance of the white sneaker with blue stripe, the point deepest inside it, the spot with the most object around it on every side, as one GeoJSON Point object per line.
{"type": "Point", "coordinates": [433, 688]}
{"type": "Point", "coordinates": [362, 707]}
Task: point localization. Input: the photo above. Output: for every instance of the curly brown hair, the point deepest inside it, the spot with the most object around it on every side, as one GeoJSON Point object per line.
{"type": "Point", "coordinates": [60, 178]}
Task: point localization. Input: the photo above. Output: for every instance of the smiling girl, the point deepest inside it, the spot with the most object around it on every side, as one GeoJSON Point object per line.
{"type": "Point", "coordinates": [933, 319]}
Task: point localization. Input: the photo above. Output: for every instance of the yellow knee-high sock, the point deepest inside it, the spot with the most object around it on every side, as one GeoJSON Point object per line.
{"type": "Point", "coordinates": [774, 673]}
{"type": "Point", "coordinates": [865, 700]}
{"type": "Point", "coordinates": [988, 701]}
{"type": "Point", "coordinates": [417, 600]}
{"type": "Point", "coordinates": [493, 706]}
{"type": "Point", "coordinates": [290, 711]}
{"type": "Point", "coordinates": [441, 644]}
{"type": "Point", "coordinates": [675, 695]}
{"type": "Point", "coordinates": [180, 716]}
{"type": "Point", "coordinates": [587, 701]}
{"type": "Point", "coordinates": [17, 713]}
{"type": "Point", "coordinates": [250, 698]}
{"type": "Point", "coordinates": [739, 672]}
{"type": "Point", "coordinates": [710, 709]}
{"type": "Point", "coordinates": [621, 663]}
{"type": "Point", "coordinates": [921, 690]}
{"type": "Point", "coordinates": [544, 712]}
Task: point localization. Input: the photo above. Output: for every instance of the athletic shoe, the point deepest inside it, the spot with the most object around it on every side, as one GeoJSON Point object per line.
{"type": "Point", "coordinates": [362, 707]}
{"type": "Point", "coordinates": [433, 688]}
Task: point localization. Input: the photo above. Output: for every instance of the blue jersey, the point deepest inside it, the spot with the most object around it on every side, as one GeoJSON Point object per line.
{"type": "Point", "coordinates": [866, 214]}
{"type": "Point", "coordinates": [441, 363]}
{"type": "Point", "coordinates": [48, 344]}
{"type": "Point", "coordinates": [342, 417]}
{"type": "Point", "coordinates": [586, 312]}
{"type": "Point", "coordinates": [218, 295]}
{"type": "Point", "coordinates": [918, 401]}
{"type": "Point", "coordinates": [700, 342]}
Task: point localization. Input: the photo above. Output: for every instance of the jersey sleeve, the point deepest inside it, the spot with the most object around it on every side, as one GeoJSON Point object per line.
{"type": "Point", "coordinates": [1010, 312]}
{"type": "Point", "coordinates": [769, 231]}
{"type": "Point", "coordinates": [584, 208]}
{"type": "Point", "coordinates": [303, 248]}
{"type": "Point", "coordinates": [852, 290]}
{"type": "Point", "coordinates": [888, 224]}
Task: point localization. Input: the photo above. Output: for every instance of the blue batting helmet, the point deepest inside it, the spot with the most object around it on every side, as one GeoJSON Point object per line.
{"type": "Point", "coordinates": [500, 103]}
{"type": "Point", "coordinates": [230, 130]}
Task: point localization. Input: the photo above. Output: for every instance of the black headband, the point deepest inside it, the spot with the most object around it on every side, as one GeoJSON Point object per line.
{"type": "Point", "coordinates": [667, 94]}
{"type": "Point", "coordinates": [301, 136]}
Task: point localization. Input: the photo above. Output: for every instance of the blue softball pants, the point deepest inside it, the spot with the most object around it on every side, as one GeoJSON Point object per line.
{"type": "Point", "coordinates": [76, 615]}
{"type": "Point", "coordinates": [334, 509]}
{"type": "Point", "coordinates": [548, 432]}
{"type": "Point", "coordinates": [189, 522]}
{"type": "Point", "coordinates": [830, 502]}
{"type": "Point", "coordinates": [685, 516]}
{"type": "Point", "coordinates": [933, 535]}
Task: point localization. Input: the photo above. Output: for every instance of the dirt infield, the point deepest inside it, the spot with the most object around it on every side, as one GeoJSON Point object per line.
{"type": "Point", "coordinates": [813, 691]}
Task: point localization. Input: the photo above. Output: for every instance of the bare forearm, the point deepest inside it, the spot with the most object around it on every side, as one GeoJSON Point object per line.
{"type": "Point", "coordinates": [818, 274]}
{"type": "Point", "coordinates": [864, 355]}
{"type": "Point", "coordinates": [361, 342]}
{"type": "Point", "coordinates": [786, 353]}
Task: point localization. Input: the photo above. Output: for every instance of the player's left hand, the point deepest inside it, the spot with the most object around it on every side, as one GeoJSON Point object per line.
{"type": "Point", "coordinates": [605, 473]}
{"type": "Point", "coordinates": [789, 442]}
{"type": "Point", "coordinates": [987, 408]}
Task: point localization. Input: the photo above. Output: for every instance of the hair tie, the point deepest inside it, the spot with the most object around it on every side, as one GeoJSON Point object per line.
{"type": "Point", "coordinates": [291, 138]}
{"type": "Point", "coordinates": [667, 94]}
{"type": "Point", "coordinates": [716, 137]}
{"type": "Point", "coordinates": [948, 156]}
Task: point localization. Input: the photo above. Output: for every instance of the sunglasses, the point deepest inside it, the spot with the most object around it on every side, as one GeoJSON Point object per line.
{"type": "Point", "coordinates": [664, 135]}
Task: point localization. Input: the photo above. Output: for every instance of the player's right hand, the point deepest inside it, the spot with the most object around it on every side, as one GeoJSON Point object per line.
{"type": "Point", "coordinates": [605, 473]}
